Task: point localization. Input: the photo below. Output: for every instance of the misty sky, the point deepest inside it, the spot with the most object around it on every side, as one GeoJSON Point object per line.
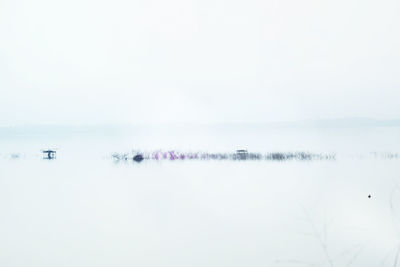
{"type": "Point", "coordinates": [87, 61]}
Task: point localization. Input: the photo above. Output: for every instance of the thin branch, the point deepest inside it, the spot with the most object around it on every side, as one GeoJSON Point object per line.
{"type": "Point", "coordinates": [320, 239]}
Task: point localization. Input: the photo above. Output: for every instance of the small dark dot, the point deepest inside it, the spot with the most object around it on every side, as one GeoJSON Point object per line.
{"type": "Point", "coordinates": [369, 196]}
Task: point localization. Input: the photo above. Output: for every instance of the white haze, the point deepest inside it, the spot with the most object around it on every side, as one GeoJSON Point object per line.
{"type": "Point", "coordinates": [92, 78]}
{"type": "Point", "coordinates": [82, 209]}
{"type": "Point", "coordinates": [86, 61]}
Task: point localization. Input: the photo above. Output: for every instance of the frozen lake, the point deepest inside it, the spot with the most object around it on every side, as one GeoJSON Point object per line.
{"type": "Point", "coordinates": [82, 209]}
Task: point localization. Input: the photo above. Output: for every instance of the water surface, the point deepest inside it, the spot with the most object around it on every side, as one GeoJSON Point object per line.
{"type": "Point", "coordinates": [82, 209]}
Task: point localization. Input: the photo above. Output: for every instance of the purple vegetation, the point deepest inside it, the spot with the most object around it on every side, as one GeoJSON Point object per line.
{"type": "Point", "coordinates": [240, 155]}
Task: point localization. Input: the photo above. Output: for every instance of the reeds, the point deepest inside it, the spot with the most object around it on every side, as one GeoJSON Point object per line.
{"type": "Point", "coordinates": [240, 155]}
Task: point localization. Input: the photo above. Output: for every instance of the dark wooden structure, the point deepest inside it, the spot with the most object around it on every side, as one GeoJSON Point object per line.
{"type": "Point", "coordinates": [242, 154]}
{"type": "Point", "coordinates": [49, 154]}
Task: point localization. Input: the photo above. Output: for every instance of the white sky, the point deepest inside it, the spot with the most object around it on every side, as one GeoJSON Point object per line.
{"type": "Point", "coordinates": [86, 61]}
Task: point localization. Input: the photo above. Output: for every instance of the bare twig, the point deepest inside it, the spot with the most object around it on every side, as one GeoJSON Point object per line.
{"type": "Point", "coordinates": [321, 239]}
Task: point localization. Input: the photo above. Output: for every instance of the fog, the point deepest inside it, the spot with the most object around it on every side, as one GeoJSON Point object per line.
{"type": "Point", "coordinates": [91, 79]}
{"type": "Point", "coordinates": [88, 62]}
{"type": "Point", "coordinates": [84, 209]}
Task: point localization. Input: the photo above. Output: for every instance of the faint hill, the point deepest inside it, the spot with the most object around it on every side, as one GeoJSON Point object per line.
{"type": "Point", "coordinates": [353, 122]}
{"type": "Point", "coordinates": [118, 130]}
